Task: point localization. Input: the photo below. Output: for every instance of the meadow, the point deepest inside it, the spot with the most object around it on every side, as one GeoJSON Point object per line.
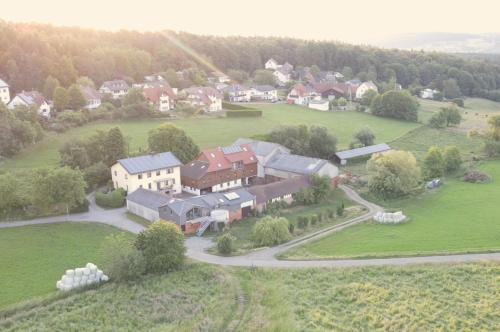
{"type": "Point", "coordinates": [218, 131]}
{"type": "Point", "coordinates": [458, 217]}
{"type": "Point", "coordinates": [210, 298]}
{"type": "Point", "coordinates": [33, 258]}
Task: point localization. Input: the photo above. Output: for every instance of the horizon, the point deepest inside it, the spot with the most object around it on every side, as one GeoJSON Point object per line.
{"type": "Point", "coordinates": [390, 24]}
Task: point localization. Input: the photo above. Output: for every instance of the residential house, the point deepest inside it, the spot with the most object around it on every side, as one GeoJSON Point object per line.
{"type": "Point", "coordinates": [330, 89]}
{"type": "Point", "coordinates": [4, 92]}
{"type": "Point", "coordinates": [147, 203]}
{"type": "Point", "coordinates": [428, 93]}
{"type": "Point", "coordinates": [282, 76]}
{"type": "Point", "coordinates": [218, 77]}
{"type": "Point", "coordinates": [264, 151]}
{"type": "Point", "coordinates": [92, 97]}
{"type": "Point", "coordinates": [301, 94]}
{"type": "Point", "coordinates": [238, 93]}
{"type": "Point", "coordinates": [365, 86]}
{"type": "Point", "coordinates": [271, 64]}
{"type": "Point", "coordinates": [287, 67]}
{"type": "Point", "coordinates": [195, 214]}
{"type": "Point", "coordinates": [280, 191]}
{"type": "Point", "coordinates": [219, 169]}
{"type": "Point", "coordinates": [162, 97]}
{"type": "Point", "coordinates": [31, 99]}
{"type": "Point", "coordinates": [207, 98]}
{"type": "Point", "coordinates": [117, 88]}
{"type": "Point", "coordinates": [264, 92]}
{"type": "Point", "coordinates": [320, 105]}
{"type": "Point", "coordinates": [158, 172]}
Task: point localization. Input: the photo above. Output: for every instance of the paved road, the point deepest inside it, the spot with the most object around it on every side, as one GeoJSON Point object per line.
{"type": "Point", "coordinates": [197, 246]}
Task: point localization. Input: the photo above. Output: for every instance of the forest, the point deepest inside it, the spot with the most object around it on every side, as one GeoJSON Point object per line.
{"type": "Point", "coordinates": [32, 52]}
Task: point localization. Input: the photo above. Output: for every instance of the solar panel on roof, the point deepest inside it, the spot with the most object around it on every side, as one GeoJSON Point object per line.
{"type": "Point", "coordinates": [232, 196]}
{"type": "Point", "coordinates": [231, 149]}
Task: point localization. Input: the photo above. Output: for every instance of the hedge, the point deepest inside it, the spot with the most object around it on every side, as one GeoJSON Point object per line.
{"type": "Point", "coordinates": [235, 107]}
{"type": "Point", "coordinates": [113, 199]}
{"type": "Point", "coordinates": [243, 114]}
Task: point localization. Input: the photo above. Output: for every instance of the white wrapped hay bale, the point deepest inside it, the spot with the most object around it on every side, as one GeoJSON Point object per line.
{"type": "Point", "coordinates": [81, 277]}
{"type": "Point", "coordinates": [389, 218]}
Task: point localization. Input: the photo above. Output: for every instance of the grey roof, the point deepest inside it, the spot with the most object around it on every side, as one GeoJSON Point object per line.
{"type": "Point", "coordinates": [296, 164]}
{"type": "Point", "coordinates": [148, 198]}
{"type": "Point", "coordinates": [195, 169]}
{"type": "Point", "coordinates": [211, 201]}
{"type": "Point", "coordinates": [264, 88]}
{"type": "Point", "coordinates": [347, 154]}
{"type": "Point", "coordinates": [3, 84]}
{"type": "Point", "coordinates": [261, 148]}
{"type": "Point", "coordinates": [149, 162]}
{"type": "Point", "coordinates": [115, 85]}
{"type": "Point", "coordinates": [267, 192]}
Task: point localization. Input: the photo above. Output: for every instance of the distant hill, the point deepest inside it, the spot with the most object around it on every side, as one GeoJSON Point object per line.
{"type": "Point", "coordinates": [446, 42]}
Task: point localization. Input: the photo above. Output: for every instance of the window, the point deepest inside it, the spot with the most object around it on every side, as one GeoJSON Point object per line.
{"type": "Point", "coordinates": [149, 174]}
{"type": "Point", "coordinates": [115, 173]}
{"type": "Point", "coordinates": [169, 170]}
{"type": "Point", "coordinates": [149, 185]}
{"type": "Point", "coordinates": [158, 173]}
{"type": "Point", "coordinates": [140, 186]}
{"type": "Point", "coordinates": [173, 181]}
{"type": "Point", "coordinates": [126, 176]}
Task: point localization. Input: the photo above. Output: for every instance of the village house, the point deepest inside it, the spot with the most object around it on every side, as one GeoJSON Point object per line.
{"type": "Point", "coordinates": [218, 77]}
{"type": "Point", "coordinates": [264, 93]}
{"type": "Point", "coordinates": [4, 92]}
{"type": "Point", "coordinates": [31, 99]}
{"type": "Point", "coordinates": [280, 191]}
{"type": "Point", "coordinates": [195, 214]}
{"type": "Point", "coordinates": [162, 97]}
{"type": "Point", "coordinates": [158, 172]}
{"type": "Point", "coordinates": [237, 93]}
{"type": "Point", "coordinates": [365, 86]}
{"type": "Point", "coordinates": [117, 88]}
{"type": "Point", "coordinates": [92, 97]}
{"type": "Point", "coordinates": [219, 169]}
{"type": "Point", "coordinates": [301, 94]}
{"type": "Point", "coordinates": [208, 98]}
{"type": "Point", "coordinates": [428, 93]}
{"type": "Point", "coordinates": [271, 64]}
{"type": "Point", "coordinates": [282, 76]}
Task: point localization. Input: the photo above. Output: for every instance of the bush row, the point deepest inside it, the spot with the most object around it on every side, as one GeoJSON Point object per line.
{"type": "Point", "coordinates": [113, 199]}
{"type": "Point", "coordinates": [243, 114]}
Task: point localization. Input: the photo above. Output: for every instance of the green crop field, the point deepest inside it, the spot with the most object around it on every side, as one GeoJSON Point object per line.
{"type": "Point", "coordinates": [210, 298]}
{"type": "Point", "coordinates": [211, 132]}
{"type": "Point", "coordinates": [33, 258]}
{"type": "Point", "coordinates": [458, 217]}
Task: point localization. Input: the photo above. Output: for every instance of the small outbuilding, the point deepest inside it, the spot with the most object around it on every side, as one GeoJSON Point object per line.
{"type": "Point", "coordinates": [146, 203]}
{"type": "Point", "coordinates": [342, 157]}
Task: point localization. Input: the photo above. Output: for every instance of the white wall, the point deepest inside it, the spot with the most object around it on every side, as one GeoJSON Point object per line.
{"type": "Point", "coordinates": [143, 211]}
{"type": "Point", "coordinates": [4, 95]}
{"type": "Point", "coordinates": [131, 182]}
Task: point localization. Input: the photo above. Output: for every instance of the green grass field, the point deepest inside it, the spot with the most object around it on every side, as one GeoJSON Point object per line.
{"type": "Point", "coordinates": [458, 217]}
{"type": "Point", "coordinates": [33, 258]}
{"type": "Point", "coordinates": [211, 132]}
{"type": "Point", "coordinates": [210, 298]}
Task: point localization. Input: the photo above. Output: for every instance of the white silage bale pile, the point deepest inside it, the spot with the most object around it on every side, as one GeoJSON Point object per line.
{"type": "Point", "coordinates": [80, 277]}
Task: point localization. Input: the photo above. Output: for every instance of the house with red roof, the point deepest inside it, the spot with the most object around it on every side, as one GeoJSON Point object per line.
{"type": "Point", "coordinates": [219, 169]}
{"type": "Point", "coordinates": [161, 96]}
{"type": "Point", "coordinates": [301, 94]}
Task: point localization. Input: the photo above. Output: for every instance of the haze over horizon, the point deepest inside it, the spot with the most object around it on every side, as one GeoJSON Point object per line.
{"type": "Point", "coordinates": [366, 23]}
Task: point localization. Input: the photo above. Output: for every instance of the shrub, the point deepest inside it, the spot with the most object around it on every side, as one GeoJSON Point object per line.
{"type": "Point", "coordinates": [113, 199]}
{"type": "Point", "coordinates": [434, 164]}
{"type": "Point", "coordinates": [243, 113]}
{"type": "Point", "coordinates": [291, 228]}
{"type": "Point", "coordinates": [330, 213]}
{"type": "Point", "coordinates": [314, 219]}
{"type": "Point", "coordinates": [80, 208]}
{"type": "Point", "coordinates": [474, 176]}
{"type": "Point", "coordinates": [302, 222]}
{"type": "Point", "coordinates": [452, 158]}
{"type": "Point", "coordinates": [121, 260]}
{"type": "Point", "coordinates": [270, 231]}
{"type": "Point", "coordinates": [458, 101]}
{"type": "Point", "coordinates": [340, 209]}
{"type": "Point", "coordinates": [96, 175]}
{"type": "Point", "coordinates": [162, 245]}
{"type": "Point", "coordinates": [225, 244]}
{"type": "Point", "coordinates": [234, 107]}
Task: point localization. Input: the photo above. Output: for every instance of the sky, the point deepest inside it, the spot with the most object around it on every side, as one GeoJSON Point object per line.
{"type": "Point", "coordinates": [360, 22]}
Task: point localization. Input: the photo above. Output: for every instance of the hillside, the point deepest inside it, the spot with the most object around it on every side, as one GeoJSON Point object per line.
{"type": "Point", "coordinates": [32, 52]}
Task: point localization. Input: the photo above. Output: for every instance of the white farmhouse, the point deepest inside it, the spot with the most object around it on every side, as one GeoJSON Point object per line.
{"type": "Point", "coordinates": [264, 92]}
{"type": "Point", "coordinates": [282, 76]}
{"type": "Point", "coordinates": [162, 97]}
{"type": "Point", "coordinates": [238, 93]}
{"type": "Point", "coordinates": [272, 64]}
{"type": "Point", "coordinates": [365, 86]}
{"type": "Point", "coordinates": [116, 88]}
{"type": "Point", "coordinates": [158, 172]}
{"type": "Point", "coordinates": [205, 97]}
{"type": "Point", "coordinates": [428, 93]}
{"type": "Point", "coordinates": [31, 99]}
{"type": "Point", "coordinates": [92, 96]}
{"type": "Point", "coordinates": [4, 92]}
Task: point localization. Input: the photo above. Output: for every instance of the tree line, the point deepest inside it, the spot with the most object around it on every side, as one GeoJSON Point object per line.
{"type": "Point", "coordinates": [32, 52]}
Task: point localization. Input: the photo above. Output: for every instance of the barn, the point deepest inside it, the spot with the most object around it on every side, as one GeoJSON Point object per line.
{"type": "Point", "coordinates": [146, 203]}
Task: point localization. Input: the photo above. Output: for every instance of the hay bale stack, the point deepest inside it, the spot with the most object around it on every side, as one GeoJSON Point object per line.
{"type": "Point", "coordinates": [80, 277]}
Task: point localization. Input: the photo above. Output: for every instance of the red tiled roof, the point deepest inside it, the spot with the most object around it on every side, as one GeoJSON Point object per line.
{"type": "Point", "coordinates": [154, 93]}
{"type": "Point", "coordinates": [223, 158]}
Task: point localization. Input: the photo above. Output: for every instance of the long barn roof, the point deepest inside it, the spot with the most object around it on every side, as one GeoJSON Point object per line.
{"type": "Point", "coordinates": [366, 150]}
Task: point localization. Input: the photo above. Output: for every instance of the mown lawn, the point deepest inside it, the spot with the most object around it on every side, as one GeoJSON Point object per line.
{"type": "Point", "coordinates": [458, 217]}
{"type": "Point", "coordinates": [211, 132]}
{"type": "Point", "coordinates": [209, 298]}
{"type": "Point", "coordinates": [33, 258]}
